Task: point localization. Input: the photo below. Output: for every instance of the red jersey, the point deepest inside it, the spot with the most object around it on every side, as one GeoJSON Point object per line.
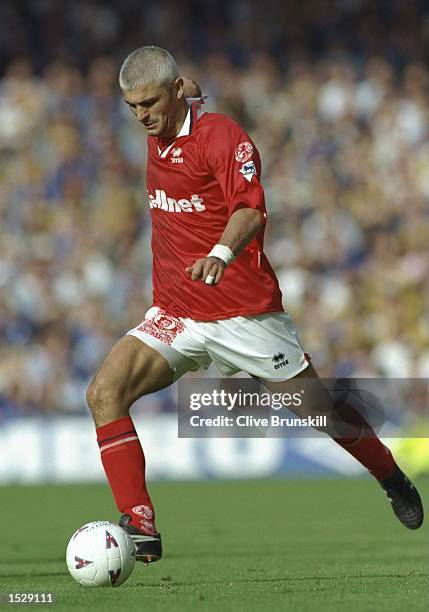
{"type": "Point", "coordinates": [194, 185]}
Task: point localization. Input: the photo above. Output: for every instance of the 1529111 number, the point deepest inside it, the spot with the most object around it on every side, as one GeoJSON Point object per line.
{"type": "Point", "coordinates": [28, 598]}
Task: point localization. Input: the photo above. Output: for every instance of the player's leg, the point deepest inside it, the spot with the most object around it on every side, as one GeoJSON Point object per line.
{"type": "Point", "coordinates": [150, 357]}
{"type": "Point", "coordinates": [345, 424]}
{"type": "Point", "coordinates": [348, 428]}
{"type": "Point", "coordinates": [131, 369]}
{"type": "Point", "coordinates": [267, 347]}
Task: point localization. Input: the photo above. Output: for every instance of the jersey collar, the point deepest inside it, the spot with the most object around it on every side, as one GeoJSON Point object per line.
{"type": "Point", "coordinates": [194, 113]}
{"type": "Point", "coordinates": [186, 128]}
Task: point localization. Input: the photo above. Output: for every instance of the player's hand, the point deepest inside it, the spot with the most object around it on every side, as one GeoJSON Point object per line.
{"type": "Point", "coordinates": [207, 269]}
{"type": "Point", "coordinates": [191, 89]}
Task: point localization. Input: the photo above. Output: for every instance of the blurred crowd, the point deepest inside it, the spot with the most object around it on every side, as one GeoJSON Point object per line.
{"type": "Point", "coordinates": [340, 116]}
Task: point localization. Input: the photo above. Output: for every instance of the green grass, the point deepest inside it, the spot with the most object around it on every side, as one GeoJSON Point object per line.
{"type": "Point", "coordinates": [305, 545]}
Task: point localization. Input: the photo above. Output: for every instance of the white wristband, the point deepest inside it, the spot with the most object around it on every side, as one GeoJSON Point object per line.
{"type": "Point", "coordinates": [222, 252]}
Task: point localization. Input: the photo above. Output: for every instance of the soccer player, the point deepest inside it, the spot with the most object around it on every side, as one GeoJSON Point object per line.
{"type": "Point", "coordinates": [215, 295]}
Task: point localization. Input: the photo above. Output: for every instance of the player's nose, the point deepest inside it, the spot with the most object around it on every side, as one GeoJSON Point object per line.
{"type": "Point", "coordinates": [142, 114]}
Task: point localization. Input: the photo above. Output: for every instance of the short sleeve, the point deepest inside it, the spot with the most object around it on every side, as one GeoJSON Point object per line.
{"type": "Point", "coordinates": [236, 165]}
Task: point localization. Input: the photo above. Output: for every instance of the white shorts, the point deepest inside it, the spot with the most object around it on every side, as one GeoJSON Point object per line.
{"type": "Point", "coordinates": [265, 346]}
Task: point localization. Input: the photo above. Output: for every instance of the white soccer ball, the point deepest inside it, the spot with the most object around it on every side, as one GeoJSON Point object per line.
{"type": "Point", "coordinates": [100, 554]}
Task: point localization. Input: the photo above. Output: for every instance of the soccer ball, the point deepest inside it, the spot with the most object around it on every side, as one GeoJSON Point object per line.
{"type": "Point", "coordinates": [100, 554]}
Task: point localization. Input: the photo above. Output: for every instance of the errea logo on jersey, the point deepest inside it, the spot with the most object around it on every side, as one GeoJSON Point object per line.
{"type": "Point", "coordinates": [161, 200]}
{"type": "Point", "coordinates": [176, 155]}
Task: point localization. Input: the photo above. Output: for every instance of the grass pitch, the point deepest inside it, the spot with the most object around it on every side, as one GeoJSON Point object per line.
{"type": "Point", "coordinates": [250, 545]}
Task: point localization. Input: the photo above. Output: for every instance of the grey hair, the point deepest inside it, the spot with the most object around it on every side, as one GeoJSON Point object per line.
{"type": "Point", "coordinates": [148, 65]}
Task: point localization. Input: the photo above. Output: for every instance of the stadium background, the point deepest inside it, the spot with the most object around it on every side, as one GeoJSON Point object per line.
{"type": "Point", "coordinates": [335, 94]}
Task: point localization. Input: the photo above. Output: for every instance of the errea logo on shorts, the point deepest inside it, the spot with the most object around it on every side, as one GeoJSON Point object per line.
{"type": "Point", "coordinates": [279, 360]}
{"type": "Point", "coordinates": [161, 200]}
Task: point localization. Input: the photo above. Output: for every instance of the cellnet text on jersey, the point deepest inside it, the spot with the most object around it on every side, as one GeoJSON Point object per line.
{"type": "Point", "coordinates": [161, 200]}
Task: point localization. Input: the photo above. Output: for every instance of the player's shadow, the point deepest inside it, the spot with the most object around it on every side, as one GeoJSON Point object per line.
{"type": "Point", "coordinates": [35, 560]}
{"type": "Point", "coordinates": [33, 574]}
{"type": "Point", "coordinates": [32, 561]}
{"type": "Point", "coordinates": [172, 583]}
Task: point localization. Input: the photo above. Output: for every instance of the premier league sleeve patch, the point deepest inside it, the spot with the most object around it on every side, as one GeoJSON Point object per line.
{"type": "Point", "coordinates": [248, 170]}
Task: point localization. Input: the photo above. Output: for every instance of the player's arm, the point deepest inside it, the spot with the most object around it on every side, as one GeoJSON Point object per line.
{"type": "Point", "coordinates": [242, 227]}
{"type": "Point", "coordinates": [235, 163]}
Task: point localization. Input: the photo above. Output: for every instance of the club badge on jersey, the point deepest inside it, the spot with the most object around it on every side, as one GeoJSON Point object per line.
{"type": "Point", "coordinates": [243, 152]}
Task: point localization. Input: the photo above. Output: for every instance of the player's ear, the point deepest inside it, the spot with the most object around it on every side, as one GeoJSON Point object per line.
{"type": "Point", "coordinates": [179, 87]}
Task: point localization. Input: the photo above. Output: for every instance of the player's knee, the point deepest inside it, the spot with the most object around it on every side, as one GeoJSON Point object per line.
{"type": "Point", "coordinates": [92, 395]}
{"type": "Point", "coordinates": [103, 400]}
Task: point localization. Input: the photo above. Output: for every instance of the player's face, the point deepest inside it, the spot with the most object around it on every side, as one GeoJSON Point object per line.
{"type": "Point", "coordinates": [158, 108]}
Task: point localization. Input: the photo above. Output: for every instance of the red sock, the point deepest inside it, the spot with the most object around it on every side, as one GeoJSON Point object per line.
{"type": "Point", "coordinates": [124, 463]}
{"type": "Point", "coordinates": [360, 440]}
{"type": "Point", "coordinates": [371, 453]}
